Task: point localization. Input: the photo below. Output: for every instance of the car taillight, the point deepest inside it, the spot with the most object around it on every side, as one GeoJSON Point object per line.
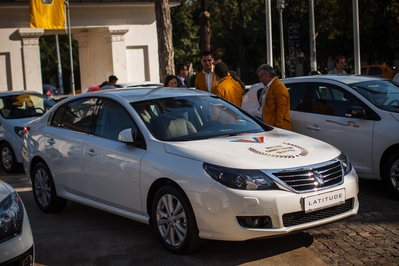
{"type": "Point", "coordinates": [48, 92]}
{"type": "Point", "coordinates": [26, 130]}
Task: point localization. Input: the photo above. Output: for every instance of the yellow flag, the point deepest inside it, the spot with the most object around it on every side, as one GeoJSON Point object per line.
{"type": "Point", "coordinates": [47, 14]}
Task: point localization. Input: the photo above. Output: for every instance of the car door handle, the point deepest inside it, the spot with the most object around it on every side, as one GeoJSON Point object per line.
{"type": "Point", "coordinates": [91, 153]}
{"type": "Point", "coordinates": [314, 127]}
{"type": "Point", "coordinates": [51, 141]}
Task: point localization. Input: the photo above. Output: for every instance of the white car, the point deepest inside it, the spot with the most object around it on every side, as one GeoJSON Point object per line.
{"type": "Point", "coordinates": [16, 109]}
{"type": "Point", "coordinates": [357, 114]}
{"type": "Point", "coordinates": [16, 239]}
{"type": "Point", "coordinates": [191, 164]}
{"type": "Point", "coordinates": [135, 84]}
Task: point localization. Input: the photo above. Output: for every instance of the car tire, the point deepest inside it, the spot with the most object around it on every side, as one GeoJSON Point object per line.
{"type": "Point", "coordinates": [177, 232]}
{"type": "Point", "coordinates": [391, 173]}
{"type": "Point", "coordinates": [44, 190]}
{"type": "Point", "coordinates": [8, 159]}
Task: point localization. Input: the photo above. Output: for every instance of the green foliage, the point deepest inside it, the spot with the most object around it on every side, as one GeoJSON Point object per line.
{"type": "Point", "coordinates": [379, 21]}
{"type": "Point", "coordinates": [185, 34]}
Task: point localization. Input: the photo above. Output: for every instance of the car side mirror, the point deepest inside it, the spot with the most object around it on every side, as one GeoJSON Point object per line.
{"type": "Point", "coordinates": [128, 136]}
{"type": "Point", "coordinates": [355, 111]}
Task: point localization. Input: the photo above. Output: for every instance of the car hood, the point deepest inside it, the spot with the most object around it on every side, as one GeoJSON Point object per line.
{"type": "Point", "coordinates": [275, 149]}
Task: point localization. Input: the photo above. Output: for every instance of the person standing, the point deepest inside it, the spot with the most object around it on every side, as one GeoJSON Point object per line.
{"type": "Point", "coordinates": [227, 87]}
{"type": "Point", "coordinates": [182, 74]}
{"type": "Point", "coordinates": [339, 66]}
{"type": "Point", "coordinates": [274, 99]}
{"type": "Point", "coordinates": [171, 81]}
{"type": "Point", "coordinates": [206, 79]}
{"type": "Point", "coordinates": [111, 83]}
{"type": "Point", "coordinates": [233, 74]}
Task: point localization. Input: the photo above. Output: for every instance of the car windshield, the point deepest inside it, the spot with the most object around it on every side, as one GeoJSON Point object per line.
{"type": "Point", "coordinates": [384, 94]}
{"type": "Point", "coordinates": [195, 117]}
{"type": "Point", "coordinates": [24, 105]}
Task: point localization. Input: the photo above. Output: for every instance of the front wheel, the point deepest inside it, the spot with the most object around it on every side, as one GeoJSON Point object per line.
{"type": "Point", "coordinates": [391, 173]}
{"type": "Point", "coordinates": [174, 221]}
{"type": "Point", "coordinates": [8, 160]}
{"type": "Point", "coordinates": [44, 190]}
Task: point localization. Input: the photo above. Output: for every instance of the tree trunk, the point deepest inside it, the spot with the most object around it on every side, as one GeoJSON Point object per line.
{"type": "Point", "coordinates": [165, 42]}
{"type": "Point", "coordinates": [240, 44]}
{"type": "Point", "coordinates": [205, 27]}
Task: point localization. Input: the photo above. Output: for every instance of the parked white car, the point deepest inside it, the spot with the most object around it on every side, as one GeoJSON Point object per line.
{"type": "Point", "coordinates": [16, 109]}
{"type": "Point", "coordinates": [357, 114]}
{"type": "Point", "coordinates": [16, 239]}
{"type": "Point", "coordinates": [189, 163]}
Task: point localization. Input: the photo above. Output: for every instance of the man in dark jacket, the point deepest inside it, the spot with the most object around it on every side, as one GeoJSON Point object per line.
{"type": "Point", "coordinates": [182, 74]}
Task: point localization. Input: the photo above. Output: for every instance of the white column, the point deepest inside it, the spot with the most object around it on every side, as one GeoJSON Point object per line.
{"type": "Point", "coordinates": [86, 71]}
{"type": "Point", "coordinates": [31, 58]}
{"type": "Point", "coordinates": [115, 36]}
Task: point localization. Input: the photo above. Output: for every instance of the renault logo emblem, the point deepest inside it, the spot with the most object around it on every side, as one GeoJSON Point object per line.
{"type": "Point", "coordinates": [318, 177]}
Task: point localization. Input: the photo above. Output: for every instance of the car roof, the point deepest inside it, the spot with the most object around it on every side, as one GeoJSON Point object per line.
{"type": "Point", "coordinates": [346, 79]}
{"type": "Point", "coordinates": [8, 93]}
{"type": "Point", "coordinates": [139, 84]}
{"type": "Point", "coordinates": [142, 93]}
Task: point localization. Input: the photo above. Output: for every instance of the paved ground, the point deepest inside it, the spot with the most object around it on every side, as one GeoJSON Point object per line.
{"type": "Point", "coordinates": [81, 235]}
{"type": "Point", "coordinates": [369, 238]}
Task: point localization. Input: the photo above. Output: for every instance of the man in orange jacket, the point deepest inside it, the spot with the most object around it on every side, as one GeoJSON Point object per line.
{"type": "Point", "coordinates": [274, 98]}
{"type": "Point", "coordinates": [227, 87]}
{"type": "Point", "coordinates": [206, 79]}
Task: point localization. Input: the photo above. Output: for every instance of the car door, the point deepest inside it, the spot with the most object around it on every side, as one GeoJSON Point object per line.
{"type": "Point", "coordinates": [299, 105]}
{"type": "Point", "coordinates": [327, 122]}
{"type": "Point", "coordinates": [64, 140]}
{"type": "Point", "coordinates": [112, 167]}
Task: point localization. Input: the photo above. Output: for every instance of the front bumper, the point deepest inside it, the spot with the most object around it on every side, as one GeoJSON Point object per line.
{"type": "Point", "coordinates": [221, 211]}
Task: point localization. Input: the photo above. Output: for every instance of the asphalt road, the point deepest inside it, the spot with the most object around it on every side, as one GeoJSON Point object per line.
{"type": "Point", "coordinates": [81, 235]}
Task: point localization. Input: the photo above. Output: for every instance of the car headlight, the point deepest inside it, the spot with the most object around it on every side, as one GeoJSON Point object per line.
{"type": "Point", "coordinates": [11, 216]}
{"type": "Point", "coordinates": [345, 162]}
{"type": "Point", "coordinates": [240, 179]}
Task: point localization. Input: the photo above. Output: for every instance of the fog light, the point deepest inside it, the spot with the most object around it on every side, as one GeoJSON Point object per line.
{"type": "Point", "coordinates": [255, 221]}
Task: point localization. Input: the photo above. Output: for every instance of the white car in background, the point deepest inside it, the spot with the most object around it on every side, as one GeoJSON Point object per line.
{"type": "Point", "coordinates": [16, 239]}
{"type": "Point", "coordinates": [188, 162]}
{"type": "Point", "coordinates": [16, 109]}
{"type": "Point", "coordinates": [357, 114]}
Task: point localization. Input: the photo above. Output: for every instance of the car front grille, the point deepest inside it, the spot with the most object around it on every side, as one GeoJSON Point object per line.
{"type": "Point", "coordinates": [311, 178]}
{"type": "Point", "coordinates": [297, 218]}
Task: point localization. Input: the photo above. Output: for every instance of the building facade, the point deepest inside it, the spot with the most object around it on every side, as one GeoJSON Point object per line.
{"type": "Point", "coordinates": [115, 38]}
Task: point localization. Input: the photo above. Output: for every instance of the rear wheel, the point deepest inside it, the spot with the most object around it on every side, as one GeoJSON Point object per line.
{"type": "Point", "coordinates": [44, 190]}
{"type": "Point", "coordinates": [174, 221]}
{"type": "Point", "coordinates": [391, 173]}
{"type": "Point", "coordinates": [8, 159]}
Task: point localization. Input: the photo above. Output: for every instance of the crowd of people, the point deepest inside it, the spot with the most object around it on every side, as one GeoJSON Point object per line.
{"type": "Point", "coordinates": [269, 100]}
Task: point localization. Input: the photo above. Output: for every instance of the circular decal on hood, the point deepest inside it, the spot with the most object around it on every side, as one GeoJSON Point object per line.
{"type": "Point", "coordinates": [284, 150]}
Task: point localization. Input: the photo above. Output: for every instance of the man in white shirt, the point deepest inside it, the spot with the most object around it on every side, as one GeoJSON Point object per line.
{"type": "Point", "coordinates": [206, 79]}
{"type": "Point", "coordinates": [339, 66]}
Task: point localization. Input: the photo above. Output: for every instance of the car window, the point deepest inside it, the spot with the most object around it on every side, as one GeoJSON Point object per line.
{"type": "Point", "coordinates": [384, 94]}
{"type": "Point", "coordinates": [24, 105]}
{"type": "Point", "coordinates": [364, 71]}
{"type": "Point", "coordinates": [333, 100]}
{"type": "Point", "coordinates": [75, 115]}
{"type": "Point", "coordinates": [297, 93]}
{"type": "Point", "coordinates": [375, 71]}
{"type": "Point", "coordinates": [189, 118]}
{"type": "Point", "coordinates": [112, 118]}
